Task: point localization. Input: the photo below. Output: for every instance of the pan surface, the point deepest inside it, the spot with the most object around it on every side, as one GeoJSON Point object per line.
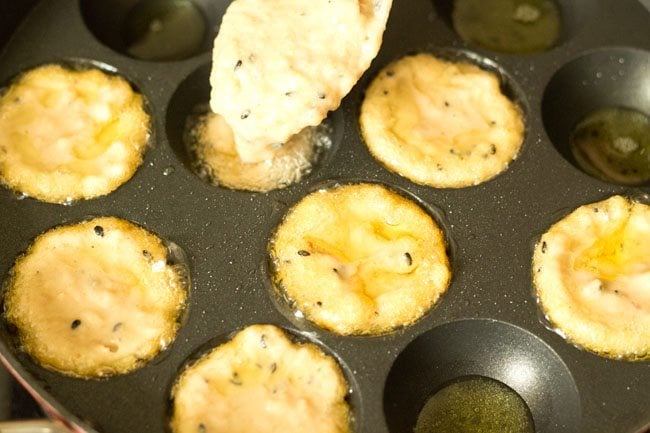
{"type": "Point", "coordinates": [603, 54]}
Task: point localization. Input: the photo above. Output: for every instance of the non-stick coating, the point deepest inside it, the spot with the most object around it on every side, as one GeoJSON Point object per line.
{"type": "Point", "coordinates": [225, 233]}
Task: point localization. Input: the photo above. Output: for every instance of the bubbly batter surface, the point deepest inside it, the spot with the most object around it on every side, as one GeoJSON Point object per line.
{"type": "Point", "coordinates": [96, 298]}
{"type": "Point", "coordinates": [360, 259]}
{"type": "Point", "coordinates": [592, 274]}
{"type": "Point", "coordinates": [439, 123]}
{"type": "Point", "coordinates": [262, 382]}
{"type": "Point", "coordinates": [70, 134]}
{"type": "Point", "coordinates": [210, 142]}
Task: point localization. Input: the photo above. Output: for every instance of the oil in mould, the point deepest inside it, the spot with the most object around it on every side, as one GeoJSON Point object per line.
{"type": "Point", "coordinates": [212, 151]}
{"type": "Point", "coordinates": [509, 26]}
{"type": "Point", "coordinates": [475, 404]}
{"type": "Point", "coordinates": [164, 30]}
{"type": "Point", "coordinates": [613, 144]}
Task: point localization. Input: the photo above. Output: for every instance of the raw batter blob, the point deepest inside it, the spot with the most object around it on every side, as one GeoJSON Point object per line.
{"type": "Point", "coordinates": [210, 143]}
{"type": "Point", "coordinates": [280, 66]}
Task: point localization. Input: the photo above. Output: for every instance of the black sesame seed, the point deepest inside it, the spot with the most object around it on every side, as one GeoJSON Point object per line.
{"type": "Point", "coordinates": [319, 303]}
{"type": "Point", "coordinates": [235, 379]}
{"type": "Point", "coordinates": [385, 92]}
{"type": "Point", "coordinates": [596, 210]}
{"type": "Point", "coordinates": [409, 259]}
{"type": "Point", "coordinates": [263, 341]}
{"type": "Point", "coordinates": [147, 255]}
{"type": "Point", "coordinates": [544, 247]}
{"type": "Point", "coordinates": [321, 95]}
{"type": "Point", "coordinates": [288, 93]}
{"type": "Point", "coordinates": [201, 428]}
{"type": "Point", "coordinates": [245, 114]}
{"type": "Point", "coordinates": [75, 324]}
{"type": "Point", "coordinates": [390, 73]}
{"type": "Point", "coordinates": [238, 65]}
{"type": "Point", "coordinates": [336, 271]}
{"type": "Point", "coordinates": [99, 231]}
{"type": "Point", "coordinates": [493, 149]}
{"type": "Point", "coordinates": [274, 367]}
{"type": "Point", "coordinates": [117, 326]}
{"type": "Point", "coordinates": [446, 103]}
{"type": "Point", "coordinates": [304, 253]}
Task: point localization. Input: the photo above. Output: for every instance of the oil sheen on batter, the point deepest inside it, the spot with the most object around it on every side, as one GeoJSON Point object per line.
{"type": "Point", "coordinates": [70, 134]}
{"type": "Point", "coordinates": [262, 382]}
{"type": "Point", "coordinates": [360, 259]}
{"type": "Point", "coordinates": [280, 66]}
{"type": "Point", "coordinates": [592, 274]}
{"type": "Point", "coordinates": [210, 142]}
{"type": "Point", "coordinates": [440, 123]}
{"type": "Point", "coordinates": [96, 298]}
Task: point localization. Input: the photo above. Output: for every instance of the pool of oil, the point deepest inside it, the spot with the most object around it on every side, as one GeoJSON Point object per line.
{"type": "Point", "coordinates": [475, 404]}
{"type": "Point", "coordinates": [509, 26]}
{"type": "Point", "coordinates": [164, 30]}
{"type": "Point", "coordinates": [613, 144]}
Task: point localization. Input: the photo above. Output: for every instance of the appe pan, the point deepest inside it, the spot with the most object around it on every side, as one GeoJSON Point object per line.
{"type": "Point", "coordinates": [604, 50]}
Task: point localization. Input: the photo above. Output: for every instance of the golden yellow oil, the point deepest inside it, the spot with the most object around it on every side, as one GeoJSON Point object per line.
{"type": "Point", "coordinates": [164, 30]}
{"type": "Point", "coordinates": [475, 404]}
{"type": "Point", "coordinates": [613, 144]}
{"type": "Point", "coordinates": [510, 26]}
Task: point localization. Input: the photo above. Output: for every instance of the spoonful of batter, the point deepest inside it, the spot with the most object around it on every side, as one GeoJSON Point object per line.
{"type": "Point", "coordinates": [280, 66]}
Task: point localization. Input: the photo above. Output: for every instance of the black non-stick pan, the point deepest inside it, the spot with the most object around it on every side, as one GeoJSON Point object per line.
{"type": "Point", "coordinates": [487, 324]}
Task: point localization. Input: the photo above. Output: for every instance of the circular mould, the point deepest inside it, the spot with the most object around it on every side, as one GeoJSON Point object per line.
{"type": "Point", "coordinates": [591, 271]}
{"type": "Point", "coordinates": [359, 259]}
{"type": "Point", "coordinates": [613, 144]}
{"type": "Point", "coordinates": [442, 123]}
{"type": "Point", "coordinates": [154, 30]}
{"type": "Point", "coordinates": [263, 379]}
{"type": "Point", "coordinates": [205, 143]}
{"type": "Point", "coordinates": [70, 132]}
{"type": "Point", "coordinates": [97, 298]}
{"type": "Point", "coordinates": [490, 349]}
{"type": "Point", "coordinates": [510, 26]}
{"type": "Point", "coordinates": [608, 78]}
